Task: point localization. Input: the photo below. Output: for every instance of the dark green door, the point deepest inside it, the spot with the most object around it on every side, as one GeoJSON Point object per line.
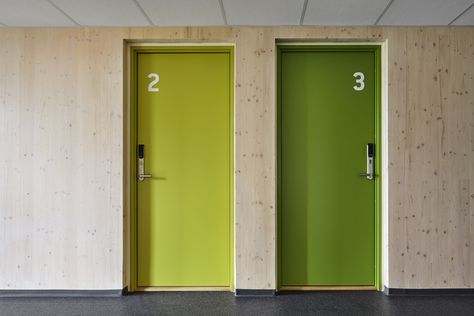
{"type": "Point", "coordinates": [327, 102]}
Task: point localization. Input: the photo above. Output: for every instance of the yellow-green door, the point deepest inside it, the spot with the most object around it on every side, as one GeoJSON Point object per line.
{"type": "Point", "coordinates": [184, 123]}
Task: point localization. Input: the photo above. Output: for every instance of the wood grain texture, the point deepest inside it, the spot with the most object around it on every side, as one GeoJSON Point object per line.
{"type": "Point", "coordinates": [61, 191]}
{"type": "Point", "coordinates": [63, 212]}
{"type": "Point", "coordinates": [430, 208]}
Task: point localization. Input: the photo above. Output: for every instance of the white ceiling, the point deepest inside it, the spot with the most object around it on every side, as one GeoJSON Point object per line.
{"type": "Point", "coordinates": [59, 13]}
{"type": "Point", "coordinates": [263, 12]}
{"type": "Point", "coordinates": [31, 13]}
{"type": "Point", "coordinates": [424, 12]}
{"type": "Point", "coordinates": [345, 12]}
{"type": "Point", "coordinates": [466, 18]}
{"type": "Point", "coordinates": [183, 12]}
{"type": "Point", "coordinates": [101, 13]}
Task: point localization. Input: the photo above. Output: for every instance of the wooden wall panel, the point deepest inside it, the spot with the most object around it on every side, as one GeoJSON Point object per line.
{"type": "Point", "coordinates": [430, 118]}
{"type": "Point", "coordinates": [61, 131]}
{"type": "Point", "coordinates": [63, 214]}
{"type": "Point", "coordinates": [255, 160]}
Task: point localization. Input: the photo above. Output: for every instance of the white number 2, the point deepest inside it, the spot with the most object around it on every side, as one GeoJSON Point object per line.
{"type": "Point", "coordinates": [360, 81]}
{"type": "Point", "coordinates": [151, 85]}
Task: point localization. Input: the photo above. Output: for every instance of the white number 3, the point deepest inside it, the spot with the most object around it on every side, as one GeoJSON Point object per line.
{"type": "Point", "coordinates": [151, 85]}
{"type": "Point", "coordinates": [360, 81]}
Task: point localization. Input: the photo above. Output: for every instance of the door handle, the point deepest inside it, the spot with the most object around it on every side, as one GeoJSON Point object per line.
{"type": "Point", "coordinates": [370, 153]}
{"type": "Point", "coordinates": [141, 164]}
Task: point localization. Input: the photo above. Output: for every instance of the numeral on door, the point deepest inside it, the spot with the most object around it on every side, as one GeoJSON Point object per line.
{"type": "Point", "coordinates": [151, 85]}
{"type": "Point", "coordinates": [360, 81]}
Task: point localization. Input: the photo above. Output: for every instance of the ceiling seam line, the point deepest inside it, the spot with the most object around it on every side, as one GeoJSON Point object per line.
{"type": "Point", "coordinates": [303, 12]}
{"type": "Point", "coordinates": [461, 14]}
{"type": "Point", "coordinates": [143, 12]}
{"type": "Point", "coordinates": [383, 12]}
{"type": "Point", "coordinates": [62, 11]}
{"type": "Point", "coordinates": [224, 16]}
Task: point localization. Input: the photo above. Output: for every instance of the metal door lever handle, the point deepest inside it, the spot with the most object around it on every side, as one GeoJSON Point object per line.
{"type": "Point", "coordinates": [142, 177]}
{"type": "Point", "coordinates": [369, 176]}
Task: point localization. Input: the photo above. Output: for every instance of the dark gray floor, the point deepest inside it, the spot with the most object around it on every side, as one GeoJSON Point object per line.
{"type": "Point", "coordinates": [219, 303]}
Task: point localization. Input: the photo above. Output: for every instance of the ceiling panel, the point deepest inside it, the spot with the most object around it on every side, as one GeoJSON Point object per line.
{"type": "Point", "coordinates": [103, 12]}
{"type": "Point", "coordinates": [343, 12]}
{"type": "Point", "coordinates": [183, 12]}
{"type": "Point", "coordinates": [467, 18]}
{"type": "Point", "coordinates": [423, 12]}
{"type": "Point", "coordinates": [31, 13]}
{"type": "Point", "coordinates": [238, 12]}
{"type": "Point", "coordinates": [263, 12]}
